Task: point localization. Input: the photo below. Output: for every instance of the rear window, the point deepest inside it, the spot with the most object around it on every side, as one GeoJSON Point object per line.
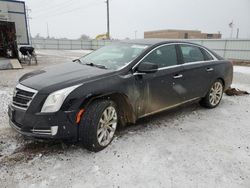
{"type": "Point", "coordinates": [207, 56]}
{"type": "Point", "coordinates": [191, 53]}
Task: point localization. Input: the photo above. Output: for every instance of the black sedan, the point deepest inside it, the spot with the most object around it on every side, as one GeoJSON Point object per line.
{"type": "Point", "coordinates": [87, 99]}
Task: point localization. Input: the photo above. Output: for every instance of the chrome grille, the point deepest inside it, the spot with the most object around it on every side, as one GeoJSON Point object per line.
{"type": "Point", "coordinates": [23, 96]}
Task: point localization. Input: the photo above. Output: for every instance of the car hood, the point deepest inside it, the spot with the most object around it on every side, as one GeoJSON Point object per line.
{"type": "Point", "coordinates": [61, 76]}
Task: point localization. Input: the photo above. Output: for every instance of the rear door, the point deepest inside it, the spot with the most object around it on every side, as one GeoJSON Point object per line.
{"type": "Point", "coordinates": [198, 70]}
{"type": "Point", "coordinates": [163, 88]}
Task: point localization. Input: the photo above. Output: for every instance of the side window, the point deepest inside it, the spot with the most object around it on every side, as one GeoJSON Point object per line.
{"type": "Point", "coordinates": [191, 53]}
{"type": "Point", "coordinates": [164, 56]}
{"type": "Point", "coordinates": [207, 56]}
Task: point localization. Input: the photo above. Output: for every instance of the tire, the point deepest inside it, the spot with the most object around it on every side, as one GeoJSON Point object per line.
{"type": "Point", "coordinates": [214, 96]}
{"type": "Point", "coordinates": [94, 125]}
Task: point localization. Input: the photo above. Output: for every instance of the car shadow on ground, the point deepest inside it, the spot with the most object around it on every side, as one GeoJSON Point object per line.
{"type": "Point", "coordinates": [38, 148]}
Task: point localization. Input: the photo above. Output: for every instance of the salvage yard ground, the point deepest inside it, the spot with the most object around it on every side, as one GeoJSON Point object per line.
{"type": "Point", "coordinates": [187, 147]}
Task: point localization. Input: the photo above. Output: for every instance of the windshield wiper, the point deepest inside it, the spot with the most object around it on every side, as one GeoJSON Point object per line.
{"type": "Point", "coordinates": [90, 64]}
{"type": "Point", "coordinates": [77, 60]}
{"type": "Point", "coordinates": [96, 65]}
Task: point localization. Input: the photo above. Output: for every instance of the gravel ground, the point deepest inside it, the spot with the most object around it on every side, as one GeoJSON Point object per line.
{"type": "Point", "coordinates": [187, 147]}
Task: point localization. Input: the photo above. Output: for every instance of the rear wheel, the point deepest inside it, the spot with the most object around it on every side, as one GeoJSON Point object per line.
{"type": "Point", "coordinates": [214, 96]}
{"type": "Point", "coordinates": [99, 125]}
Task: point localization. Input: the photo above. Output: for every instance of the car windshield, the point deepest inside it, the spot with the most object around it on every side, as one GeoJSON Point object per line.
{"type": "Point", "coordinates": [114, 56]}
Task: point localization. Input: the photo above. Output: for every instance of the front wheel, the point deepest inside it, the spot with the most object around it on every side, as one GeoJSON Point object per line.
{"type": "Point", "coordinates": [99, 124]}
{"type": "Point", "coordinates": [214, 96]}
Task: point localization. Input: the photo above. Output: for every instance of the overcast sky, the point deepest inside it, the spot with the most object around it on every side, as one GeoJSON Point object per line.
{"type": "Point", "coordinates": [71, 18]}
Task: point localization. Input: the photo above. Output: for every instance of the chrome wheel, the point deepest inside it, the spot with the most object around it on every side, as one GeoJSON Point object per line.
{"type": "Point", "coordinates": [216, 93]}
{"type": "Point", "coordinates": [107, 126]}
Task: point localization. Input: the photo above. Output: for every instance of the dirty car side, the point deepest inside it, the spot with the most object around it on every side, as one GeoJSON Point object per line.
{"type": "Point", "coordinates": [136, 94]}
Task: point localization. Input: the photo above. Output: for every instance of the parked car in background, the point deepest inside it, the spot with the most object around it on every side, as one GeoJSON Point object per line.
{"type": "Point", "coordinates": [88, 99]}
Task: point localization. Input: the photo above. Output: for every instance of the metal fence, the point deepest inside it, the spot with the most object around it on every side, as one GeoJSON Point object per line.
{"type": "Point", "coordinates": [230, 49]}
{"type": "Point", "coordinates": [56, 44]}
{"type": "Point", "coordinates": [59, 44]}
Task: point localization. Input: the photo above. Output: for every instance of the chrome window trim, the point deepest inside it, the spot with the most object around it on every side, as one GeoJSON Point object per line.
{"type": "Point", "coordinates": [169, 67]}
{"type": "Point", "coordinates": [197, 62]}
{"type": "Point", "coordinates": [193, 62]}
{"type": "Point", "coordinates": [179, 65]}
{"type": "Point", "coordinates": [22, 87]}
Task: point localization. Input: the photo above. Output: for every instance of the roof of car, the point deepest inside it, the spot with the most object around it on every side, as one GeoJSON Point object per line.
{"type": "Point", "coordinates": [154, 41]}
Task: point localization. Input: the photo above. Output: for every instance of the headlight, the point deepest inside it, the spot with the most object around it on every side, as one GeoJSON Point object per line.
{"type": "Point", "coordinates": [55, 100]}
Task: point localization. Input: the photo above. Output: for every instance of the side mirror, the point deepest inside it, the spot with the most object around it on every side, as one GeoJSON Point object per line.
{"type": "Point", "coordinates": [147, 67]}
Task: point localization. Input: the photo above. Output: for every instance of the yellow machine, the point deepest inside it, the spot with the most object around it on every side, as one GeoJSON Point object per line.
{"type": "Point", "coordinates": [102, 37]}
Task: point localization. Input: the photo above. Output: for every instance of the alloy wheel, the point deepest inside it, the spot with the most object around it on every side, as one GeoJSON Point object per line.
{"type": "Point", "coordinates": [216, 93]}
{"type": "Point", "coordinates": [107, 126]}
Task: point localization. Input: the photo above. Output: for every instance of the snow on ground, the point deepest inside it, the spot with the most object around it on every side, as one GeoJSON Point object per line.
{"type": "Point", "coordinates": [187, 147]}
{"type": "Point", "coordinates": [242, 69]}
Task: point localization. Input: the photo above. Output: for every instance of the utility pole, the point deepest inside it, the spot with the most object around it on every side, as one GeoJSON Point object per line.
{"type": "Point", "coordinates": [28, 23]}
{"type": "Point", "coordinates": [135, 34]}
{"type": "Point", "coordinates": [238, 31]}
{"type": "Point", "coordinates": [232, 31]}
{"type": "Point", "coordinates": [231, 25]}
{"type": "Point", "coordinates": [108, 25]}
{"type": "Point", "coordinates": [47, 30]}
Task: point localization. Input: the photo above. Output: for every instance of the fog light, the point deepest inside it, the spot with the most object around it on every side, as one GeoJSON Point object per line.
{"type": "Point", "coordinates": [54, 130]}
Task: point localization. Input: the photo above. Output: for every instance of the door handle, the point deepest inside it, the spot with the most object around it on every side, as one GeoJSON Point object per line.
{"type": "Point", "coordinates": [210, 69]}
{"type": "Point", "coordinates": [178, 76]}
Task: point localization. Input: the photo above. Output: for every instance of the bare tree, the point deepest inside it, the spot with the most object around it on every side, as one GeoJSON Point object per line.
{"type": "Point", "coordinates": [38, 36]}
{"type": "Point", "coordinates": [84, 37]}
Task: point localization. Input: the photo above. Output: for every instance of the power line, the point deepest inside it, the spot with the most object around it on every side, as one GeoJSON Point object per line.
{"type": "Point", "coordinates": [54, 8]}
{"type": "Point", "coordinates": [69, 11]}
{"type": "Point", "coordinates": [50, 5]}
{"type": "Point", "coordinates": [60, 13]}
{"type": "Point", "coordinates": [62, 8]}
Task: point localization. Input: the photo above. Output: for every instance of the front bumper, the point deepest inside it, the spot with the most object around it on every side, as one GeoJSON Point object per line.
{"type": "Point", "coordinates": [33, 132]}
{"type": "Point", "coordinates": [59, 125]}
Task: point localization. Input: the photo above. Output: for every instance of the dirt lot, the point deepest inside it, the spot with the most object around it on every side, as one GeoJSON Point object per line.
{"type": "Point", "coordinates": [187, 147]}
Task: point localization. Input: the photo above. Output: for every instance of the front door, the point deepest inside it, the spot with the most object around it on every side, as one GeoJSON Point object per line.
{"type": "Point", "coordinates": [163, 88]}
